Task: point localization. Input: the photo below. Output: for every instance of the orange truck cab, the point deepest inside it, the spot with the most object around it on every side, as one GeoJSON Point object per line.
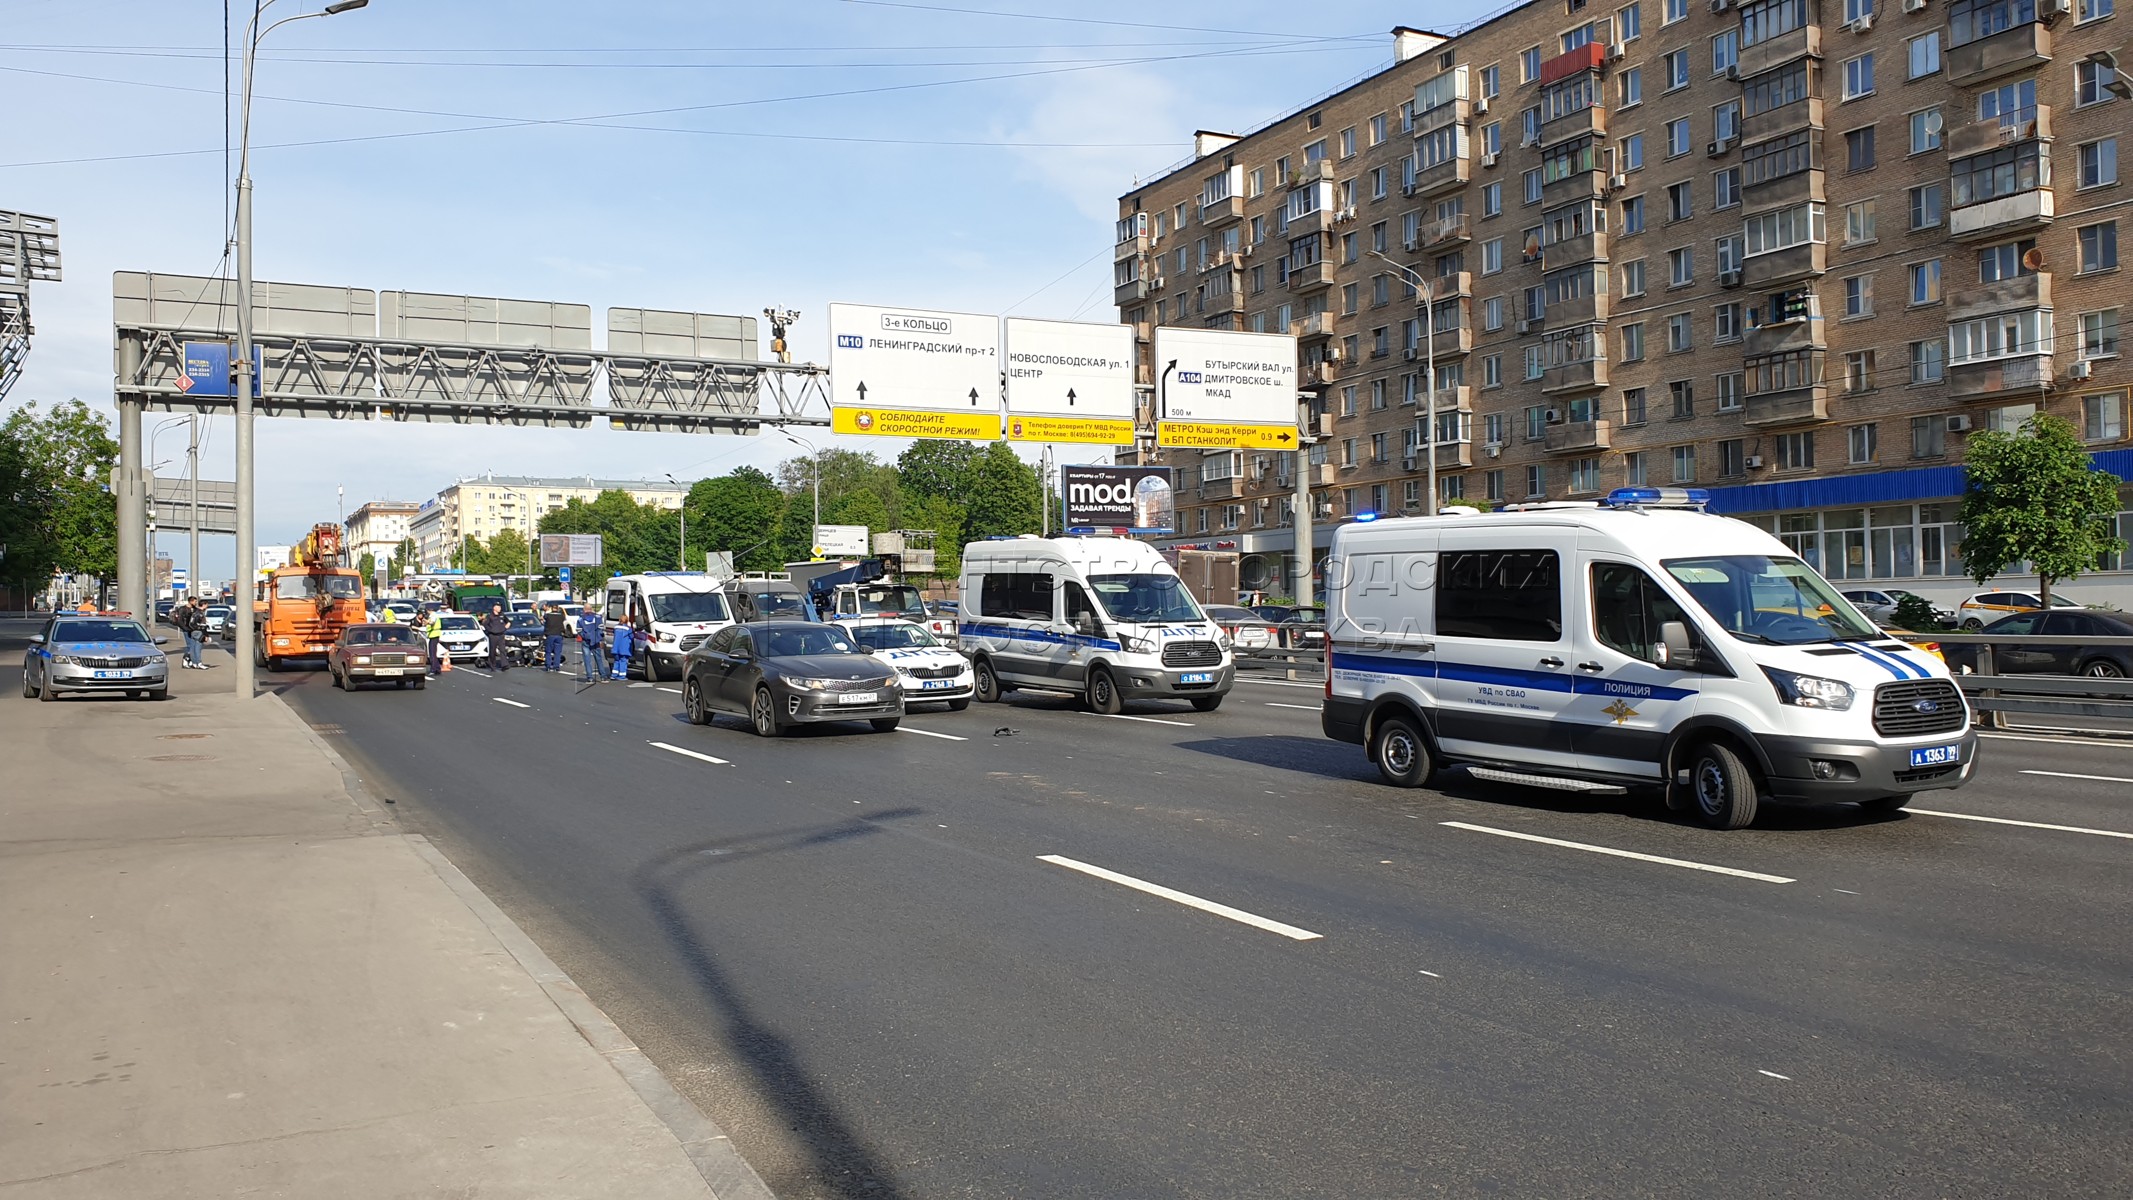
{"type": "Point", "coordinates": [302, 608]}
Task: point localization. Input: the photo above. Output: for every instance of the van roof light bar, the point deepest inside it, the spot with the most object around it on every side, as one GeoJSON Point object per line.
{"type": "Point", "coordinates": [1695, 499]}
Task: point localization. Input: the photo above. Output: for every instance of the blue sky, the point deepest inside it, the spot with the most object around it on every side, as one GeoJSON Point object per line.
{"type": "Point", "coordinates": [710, 157]}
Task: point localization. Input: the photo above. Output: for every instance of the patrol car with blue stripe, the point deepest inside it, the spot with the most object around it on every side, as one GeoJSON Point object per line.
{"type": "Point", "coordinates": [1635, 642]}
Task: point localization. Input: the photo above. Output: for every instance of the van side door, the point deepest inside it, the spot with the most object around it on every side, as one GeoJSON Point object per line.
{"type": "Point", "coordinates": [1503, 646]}
{"type": "Point", "coordinates": [1019, 609]}
{"type": "Point", "coordinates": [1625, 704]}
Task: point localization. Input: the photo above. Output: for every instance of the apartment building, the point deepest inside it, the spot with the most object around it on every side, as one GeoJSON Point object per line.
{"type": "Point", "coordinates": [483, 506]}
{"type": "Point", "coordinates": [1792, 251]}
{"type": "Point", "coordinates": [377, 528]}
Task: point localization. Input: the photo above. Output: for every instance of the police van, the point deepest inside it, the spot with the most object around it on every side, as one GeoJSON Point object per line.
{"type": "Point", "coordinates": [674, 610]}
{"type": "Point", "coordinates": [1102, 616]}
{"type": "Point", "coordinates": [1638, 641]}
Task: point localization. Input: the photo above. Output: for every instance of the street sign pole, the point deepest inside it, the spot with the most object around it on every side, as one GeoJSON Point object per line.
{"type": "Point", "coordinates": [1305, 436]}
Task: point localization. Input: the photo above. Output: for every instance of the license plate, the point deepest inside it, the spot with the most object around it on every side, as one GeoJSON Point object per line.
{"type": "Point", "coordinates": [1196, 677]}
{"type": "Point", "coordinates": [935, 685]}
{"type": "Point", "coordinates": [1936, 756]}
{"type": "Point", "coordinates": [858, 697]}
{"type": "Point", "coordinates": [390, 671]}
{"type": "Point", "coordinates": [114, 674]}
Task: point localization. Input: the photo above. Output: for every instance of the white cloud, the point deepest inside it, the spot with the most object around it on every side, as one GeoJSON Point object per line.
{"type": "Point", "coordinates": [1106, 118]}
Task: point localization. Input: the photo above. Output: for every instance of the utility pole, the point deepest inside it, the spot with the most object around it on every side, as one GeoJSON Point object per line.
{"type": "Point", "coordinates": [1427, 304]}
{"type": "Point", "coordinates": [192, 473]}
{"type": "Point", "coordinates": [1306, 437]}
{"type": "Point", "coordinates": [682, 552]}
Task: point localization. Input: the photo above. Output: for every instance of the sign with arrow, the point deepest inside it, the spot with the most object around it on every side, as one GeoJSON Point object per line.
{"type": "Point", "coordinates": [1070, 381]}
{"type": "Point", "coordinates": [906, 372]}
{"type": "Point", "coordinates": [1217, 388]}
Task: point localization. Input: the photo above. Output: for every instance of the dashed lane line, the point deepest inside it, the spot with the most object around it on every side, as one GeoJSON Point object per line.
{"type": "Point", "coordinates": [949, 737]}
{"type": "Point", "coordinates": [512, 703]}
{"type": "Point", "coordinates": [476, 674]}
{"type": "Point", "coordinates": [2072, 775]}
{"type": "Point", "coordinates": [1149, 720]}
{"type": "Point", "coordinates": [1683, 863]}
{"type": "Point", "coordinates": [2109, 833]}
{"type": "Point", "coordinates": [690, 754]}
{"type": "Point", "coordinates": [1303, 707]}
{"type": "Point", "coordinates": [1185, 898]}
{"type": "Point", "coordinates": [676, 691]}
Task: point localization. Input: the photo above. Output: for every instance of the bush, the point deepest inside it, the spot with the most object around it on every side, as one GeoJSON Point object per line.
{"type": "Point", "coordinates": [1916, 613]}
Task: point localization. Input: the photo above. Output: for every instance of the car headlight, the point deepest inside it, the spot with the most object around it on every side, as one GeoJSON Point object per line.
{"type": "Point", "coordinates": [1810, 691]}
{"type": "Point", "coordinates": [66, 660]}
{"type": "Point", "coordinates": [1136, 645]}
{"type": "Point", "coordinates": [362, 660]}
{"type": "Point", "coordinates": [809, 685]}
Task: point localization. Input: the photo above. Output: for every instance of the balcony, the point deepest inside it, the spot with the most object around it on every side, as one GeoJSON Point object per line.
{"type": "Point", "coordinates": [1450, 456]}
{"type": "Point", "coordinates": [2000, 379]}
{"type": "Point", "coordinates": [1992, 219]}
{"type": "Point", "coordinates": [1577, 437]}
{"type": "Point", "coordinates": [1578, 185]}
{"type": "Point", "coordinates": [2005, 295]}
{"type": "Point", "coordinates": [1443, 177]}
{"type": "Point", "coordinates": [1784, 119]}
{"type": "Point", "coordinates": [1454, 399]}
{"type": "Point", "coordinates": [1219, 303]}
{"type": "Point", "coordinates": [1455, 284]}
{"type": "Point", "coordinates": [1804, 261]}
{"type": "Point", "coordinates": [1447, 231]}
{"type": "Point", "coordinates": [2022, 125]}
{"type": "Point", "coordinates": [1227, 211]}
{"type": "Point", "coordinates": [1221, 489]}
{"type": "Point", "coordinates": [1778, 337]}
{"type": "Point", "coordinates": [1429, 121]}
{"type": "Point", "coordinates": [2020, 48]}
{"type": "Point", "coordinates": [1800, 187]}
{"type": "Point", "coordinates": [1318, 220]}
{"type": "Point", "coordinates": [1132, 292]}
{"type": "Point", "coordinates": [1591, 247]}
{"type": "Point", "coordinates": [1590, 121]}
{"type": "Point", "coordinates": [1772, 53]}
{"type": "Point", "coordinates": [1312, 325]}
{"type": "Point", "coordinates": [1800, 406]}
{"type": "Point", "coordinates": [1589, 375]}
{"type": "Point", "coordinates": [1139, 244]}
{"type": "Point", "coordinates": [1310, 279]}
{"type": "Point", "coordinates": [1321, 373]}
{"type": "Point", "coordinates": [1323, 474]}
{"type": "Point", "coordinates": [1578, 310]}
{"type": "Point", "coordinates": [1450, 343]}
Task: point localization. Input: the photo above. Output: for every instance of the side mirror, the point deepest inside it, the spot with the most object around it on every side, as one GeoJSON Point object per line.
{"type": "Point", "coordinates": [36, 639]}
{"type": "Point", "coordinates": [1085, 624]}
{"type": "Point", "coordinates": [1674, 648]}
{"type": "Point", "coordinates": [162, 641]}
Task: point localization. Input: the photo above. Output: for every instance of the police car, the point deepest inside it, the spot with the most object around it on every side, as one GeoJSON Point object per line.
{"type": "Point", "coordinates": [928, 669]}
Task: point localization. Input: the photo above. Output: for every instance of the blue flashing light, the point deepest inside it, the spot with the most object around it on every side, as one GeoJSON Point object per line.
{"type": "Point", "coordinates": [1657, 497]}
{"type": "Point", "coordinates": [1366, 517]}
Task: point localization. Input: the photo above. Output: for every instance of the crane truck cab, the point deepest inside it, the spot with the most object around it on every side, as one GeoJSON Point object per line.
{"type": "Point", "coordinates": [673, 611]}
{"type": "Point", "coordinates": [302, 608]}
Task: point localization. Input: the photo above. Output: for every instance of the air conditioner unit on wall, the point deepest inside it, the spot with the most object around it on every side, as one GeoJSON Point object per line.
{"type": "Point", "coordinates": [1733, 70]}
{"type": "Point", "coordinates": [2080, 370]}
{"type": "Point", "coordinates": [1914, 6]}
{"type": "Point", "coordinates": [1616, 183]}
{"type": "Point", "coordinates": [1862, 24]}
{"type": "Point", "coordinates": [1959, 423]}
{"type": "Point", "coordinates": [1614, 52]}
{"type": "Point", "coordinates": [1492, 449]}
{"type": "Point", "coordinates": [1481, 107]}
{"type": "Point", "coordinates": [1413, 354]}
{"type": "Point", "coordinates": [2050, 10]}
{"type": "Point", "coordinates": [1525, 326]}
{"type": "Point", "coordinates": [1755, 462]}
{"type": "Point", "coordinates": [1488, 160]}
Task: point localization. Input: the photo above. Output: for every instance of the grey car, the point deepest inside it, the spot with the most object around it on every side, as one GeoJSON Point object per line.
{"type": "Point", "coordinates": [82, 653]}
{"type": "Point", "coordinates": [784, 673]}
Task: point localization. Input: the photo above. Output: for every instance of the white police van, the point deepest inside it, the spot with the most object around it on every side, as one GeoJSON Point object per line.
{"type": "Point", "coordinates": [1634, 642]}
{"type": "Point", "coordinates": [1102, 616]}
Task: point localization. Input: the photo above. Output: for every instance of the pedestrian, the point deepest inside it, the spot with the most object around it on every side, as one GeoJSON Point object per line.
{"type": "Point", "coordinates": [388, 616]}
{"type": "Point", "coordinates": [494, 624]}
{"type": "Point", "coordinates": [192, 622]}
{"type": "Point", "coordinates": [590, 644]}
{"type": "Point", "coordinates": [553, 626]}
{"type": "Point", "coordinates": [623, 636]}
{"type": "Point", "coordinates": [86, 606]}
{"type": "Point", "coordinates": [434, 632]}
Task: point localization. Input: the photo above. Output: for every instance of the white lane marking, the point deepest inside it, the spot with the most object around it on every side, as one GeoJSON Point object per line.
{"type": "Point", "coordinates": [512, 703]}
{"type": "Point", "coordinates": [1150, 720]}
{"type": "Point", "coordinates": [2114, 743]}
{"type": "Point", "coordinates": [640, 685]}
{"type": "Point", "coordinates": [2110, 833]}
{"type": "Point", "coordinates": [929, 733]}
{"type": "Point", "coordinates": [1773, 1075]}
{"type": "Point", "coordinates": [1431, 974]}
{"type": "Point", "coordinates": [1609, 850]}
{"type": "Point", "coordinates": [1184, 898]}
{"type": "Point", "coordinates": [2072, 775]}
{"type": "Point", "coordinates": [1304, 707]}
{"type": "Point", "coordinates": [1846, 891]}
{"type": "Point", "coordinates": [690, 754]}
{"type": "Point", "coordinates": [476, 674]}
{"type": "Point", "coordinates": [676, 691]}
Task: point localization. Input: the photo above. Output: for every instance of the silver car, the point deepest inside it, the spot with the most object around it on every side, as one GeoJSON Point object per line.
{"type": "Point", "coordinates": [81, 653]}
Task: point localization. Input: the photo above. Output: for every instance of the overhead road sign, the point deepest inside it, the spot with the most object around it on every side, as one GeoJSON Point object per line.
{"type": "Point", "coordinates": [207, 369]}
{"type": "Point", "coordinates": [842, 541]}
{"type": "Point", "coordinates": [1070, 381]}
{"type": "Point", "coordinates": [906, 372]}
{"type": "Point", "coordinates": [172, 499]}
{"type": "Point", "coordinates": [661, 363]}
{"type": "Point", "coordinates": [1218, 388]}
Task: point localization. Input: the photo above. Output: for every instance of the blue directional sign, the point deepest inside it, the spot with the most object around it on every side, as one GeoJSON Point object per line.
{"type": "Point", "coordinates": [207, 370]}
{"type": "Point", "coordinates": [562, 574]}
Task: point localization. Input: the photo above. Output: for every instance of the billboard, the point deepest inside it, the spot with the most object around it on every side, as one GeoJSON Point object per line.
{"type": "Point", "coordinates": [570, 550]}
{"type": "Point", "coordinates": [840, 541]}
{"type": "Point", "coordinates": [1137, 498]}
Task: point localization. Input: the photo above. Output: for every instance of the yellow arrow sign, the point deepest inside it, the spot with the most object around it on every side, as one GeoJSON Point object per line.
{"type": "Point", "coordinates": [1088, 431]}
{"type": "Point", "coordinates": [1219, 435]}
{"type": "Point", "coordinates": [891, 422]}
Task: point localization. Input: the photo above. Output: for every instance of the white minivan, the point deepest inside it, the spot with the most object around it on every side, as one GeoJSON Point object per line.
{"type": "Point", "coordinates": [1102, 616]}
{"type": "Point", "coordinates": [678, 608]}
{"type": "Point", "coordinates": [1636, 642]}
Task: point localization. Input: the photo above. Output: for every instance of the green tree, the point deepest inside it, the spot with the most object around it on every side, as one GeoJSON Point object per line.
{"type": "Point", "coordinates": [59, 514]}
{"type": "Point", "coordinates": [945, 518]}
{"type": "Point", "coordinates": [403, 559]}
{"type": "Point", "coordinates": [508, 553]}
{"type": "Point", "coordinates": [935, 467]}
{"type": "Point", "coordinates": [1003, 495]}
{"type": "Point", "coordinates": [845, 474]}
{"type": "Point", "coordinates": [2034, 495]}
{"type": "Point", "coordinates": [367, 567]}
{"type": "Point", "coordinates": [633, 536]}
{"type": "Point", "coordinates": [738, 513]}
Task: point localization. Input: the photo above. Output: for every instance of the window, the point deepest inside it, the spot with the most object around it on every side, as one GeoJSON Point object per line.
{"type": "Point", "coordinates": [1682, 393]}
{"type": "Point", "coordinates": [1725, 122]}
{"type": "Point", "coordinates": [1532, 181]}
{"type": "Point", "coordinates": [1778, 157]}
{"type": "Point", "coordinates": [2005, 172]}
{"type": "Point", "coordinates": [1629, 22]}
{"type": "Point", "coordinates": [1315, 151]}
{"type": "Point", "coordinates": [1856, 9]}
{"type": "Point", "coordinates": [1969, 20]}
{"type": "Point", "coordinates": [1529, 64]}
{"type": "Point", "coordinates": [1633, 342]}
{"type": "Point", "coordinates": [1925, 130]}
{"type": "Point", "coordinates": [1633, 215]}
{"type": "Point", "coordinates": [2001, 335]}
{"type": "Point", "coordinates": [1676, 10]}
{"type": "Point", "coordinates": [1584, 475]}
{"type": "Point", "coordinates": [1492, 313]}
{"type": "Point", "coordinates": [1491, 199]}
{"type": "Point", "coordinates": [1725, 51]}
{"type": "Point", "coordinates": [1926, 204]}
{"type": "Point", "coordinates": [2103, 417]}
{"type": "Point", "coordinates": [1684, 464]}
{"type": "Point", "coordinates": [1677, 136]}
{"type": "Point", "coordinates": [1633, 277]}
{"type": "Point", "coordinates": [1633, 152]}
{"type": "Point", "coordinates": [1491, 81]}
{"type": "Point", "coordinates": [2099, 334]}
{"type": "Point", "coordinates": [1732, 457]}
{"type": "Point", "coordinates": [1633, 472]}
{"type": "Point", "coordinates": [1859, 149]}
{"type": "Point", "coordinates": [1786, 371]}
{"type": "Point", "coordinates": [1731, 389]}
{"type": "Point", "coordinates": [1726, 188]}
{"type": "Point", "coordinates": [1924, 56]}
{"type": "Point", "coordinates": [1631, 88]}
{"type": "Point", "coordinates": [1859, 296]}
{"type": "Point", "coordinates": [1762, 20]}
{"type": "Point", "coordinates": [1726, 323]}
{"type": "Point", "coordinates": [1863, 441]}
{"type": "Point", "coordinates": [1026, 595]}
{"type": "Point", "coordinates": [1787, 227]}
{"type": "Point", "coordinates": [2099, 246]}
{"type": "Point", "coordinates": [1928, 436]}
{"type": "Point", "coordinates": [1928, 361]}
{"type": "Point", "coordinates": [1492, 371]}
{"type": "Point", "coordinates": [1859, 77]}
{"type": "Point", "coordinates": [2089, 81]}
{"type": "Point", "coordinates": [1795, 451]}
{"type": "Point", "coordinates": [1858, 222]}
{"type": "Point", "coordinates": [2099, 163]}
{"type": "Point", "coordinates": [1347, 142]}
{"type": "Point", "coordinates": [1677, 69]}
{"type": "Point", "coordinates": [2006, 260]}
{"type": "Point", "coordinates": [1680, 205]}
{"type": "Point", "coordinates": [1492, 256]}
{"type": "Point", "coordinates": [1536, 364]}
{"type": "Point", "coordinates": [2094, 10]}
{"type": "Point", "coordinates": [1536, 481]}
{"type": "Point", "coordinates": [1680, 267]}
{"type": "Point", "coordinates": [1633, 406]}
{"type": "Point", "coordinates": [1925, 282]}
{"type": "Point", "coordinates": [1859, 371]}
{"type": "Point", "coordinates": [1729, 252]}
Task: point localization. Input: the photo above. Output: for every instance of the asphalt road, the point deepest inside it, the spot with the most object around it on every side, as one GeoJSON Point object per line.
{"type": "Point", "coordinates": [863, 955]}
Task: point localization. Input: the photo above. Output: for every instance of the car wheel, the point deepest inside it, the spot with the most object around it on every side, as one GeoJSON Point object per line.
{"type": "Point", "coordinates": [2102, 668]}
{"type": "Point", "coordinates": [763, 714]}
{"type": "Point", "coordinates": [1885, 804]}
{"type": "Point", "coordinates": [692, 699]}
{"type": "Point", "coordinates": [988, 684]}
{"type": "Point", "coordinates": [1723, 787]}
{"type": "Point", "coordinates": [1206, 703]}
{"type": "Point", "coordinates": [885, 724]}
{"type": "Point", "coordinates": [45, 691]}
{"type": "Point", "coordinates": [337, 680]}
{"type": "Point", "coordinates": [1400, 752]}
{"type": "Point", "coordinates": [29, 688]}
{"type": "Point", "coordinates": [161, 693]}
{"type": "Point", "coordinates": [1103, 694]}
{"type": "Point", "coordinates": [959, 705]}
{"type": "Point", "coordinates": [421, 683]}
{"type": "Point", "coordinates": [1973, 625]}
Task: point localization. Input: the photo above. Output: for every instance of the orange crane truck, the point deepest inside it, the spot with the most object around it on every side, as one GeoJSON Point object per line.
{"type": "Point", "coordinates": [303, 607]}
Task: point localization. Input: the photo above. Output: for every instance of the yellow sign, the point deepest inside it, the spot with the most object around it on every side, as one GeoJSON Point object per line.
{"type": "Point", "coordinates": [894, 422]}
{"type": "Point", "coordinates": [1089, 431]}
{"type": "Point", "coordinates": [1222, 435]}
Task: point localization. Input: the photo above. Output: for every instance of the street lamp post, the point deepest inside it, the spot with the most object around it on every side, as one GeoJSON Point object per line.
{"type": "Point", "coordinates": [804, 444]}
{"type": "Point", "coordinates": [243, 634]}
{"type": "Point", "coordinates": [1428, 305]}
{"type": "Point", "coordinates": [682, 510]}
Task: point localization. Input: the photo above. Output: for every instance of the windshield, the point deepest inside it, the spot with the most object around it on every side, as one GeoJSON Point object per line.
{"type": "Point", "coordinates": [1776, 601]}
{"type": "Point", "coordinates": [689, 606]}
{"type": "Point", "coordinates": [889, 600]}
{"type": "Point", "coordinates": [99, 631]}
{"type": "Point", "coordinates": [307, 587]}
{"type": "Point", "coordinates": [458, 623]}
{"type": "Point", "coordinates": [390, 635]}
{"type": "Point", "coordinates": [1145, 599]}
{"type": "Point", "coordinates": [218, 610]}
{"type": "Point", "coordinates": [816, 639]}
{"type": "Point", "coordinates": [894, 637]}
{"type": "Point", "coordinates": [778, 604]}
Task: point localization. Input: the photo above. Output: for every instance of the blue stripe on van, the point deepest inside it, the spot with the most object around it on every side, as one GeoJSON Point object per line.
{"type": "Point", "coordinates": [1033, 634]}
{"type": "Point", "coordinates": [1896, 668]}
{"type": "Point", "coordinates": [1551, 681]}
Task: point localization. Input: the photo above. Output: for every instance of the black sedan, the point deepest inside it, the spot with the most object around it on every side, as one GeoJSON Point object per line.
{"type": "Point", "coordinates": [783, 673]}
{"type": "Point", "coordinates": [2017, 656]}
{"type": "Point", "coordinates": [1301, 628]}
{"type": "Point", "coordinates": [523, 638]}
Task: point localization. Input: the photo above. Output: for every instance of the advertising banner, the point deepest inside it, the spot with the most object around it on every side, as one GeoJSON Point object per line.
{"type": "Point", "coordinates": [570, 550]}
{"type": "Point", "coordinates": [1101, 497]}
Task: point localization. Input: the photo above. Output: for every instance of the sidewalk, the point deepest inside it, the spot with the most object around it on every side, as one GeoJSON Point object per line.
{"type": "Point", "coordinates": [226, 973]}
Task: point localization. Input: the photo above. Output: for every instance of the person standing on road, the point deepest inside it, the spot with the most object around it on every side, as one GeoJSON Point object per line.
{"type": "Point", "coordinates": [553, 626]}
{"type": "Point", "coordinates": [494, 624]}
{"type": "Point", "coordinates": [191, 622]}
{"type": "Point", "coordinates": [621, 660]}
{"type": "Point", "coordinates": [388, 616]}
{"type": "Point", "coordinates": [434, 632]}
{"type": "Point", "coordinates": [590, 644]}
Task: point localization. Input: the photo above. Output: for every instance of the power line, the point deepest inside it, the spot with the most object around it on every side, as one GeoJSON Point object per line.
{"type": "Point", "coordinates": [986, 12]}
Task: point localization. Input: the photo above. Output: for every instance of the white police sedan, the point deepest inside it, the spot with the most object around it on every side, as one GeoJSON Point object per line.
{"type": "Point", "coordinates": [89, 653]}
{"type": "Point", "coordinates": [927, 669]}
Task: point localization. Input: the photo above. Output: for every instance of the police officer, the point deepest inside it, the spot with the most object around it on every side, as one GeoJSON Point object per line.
{"type": "Point", "coordinates": [433, 629]}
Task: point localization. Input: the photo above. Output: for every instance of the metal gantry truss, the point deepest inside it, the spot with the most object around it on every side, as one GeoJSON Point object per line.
{"type": "Point", "coordinates": [395, 379]}
{"type": "Point", "coordinates": [29, 251]}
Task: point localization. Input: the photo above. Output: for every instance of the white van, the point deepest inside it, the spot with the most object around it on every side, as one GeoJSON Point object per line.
{"type": "Point", "coordinates": [1102, 616]}
{"type": "Point", "coordinates": [1635, 642]}
{"type": "Point", "coordinates": [680, 608]}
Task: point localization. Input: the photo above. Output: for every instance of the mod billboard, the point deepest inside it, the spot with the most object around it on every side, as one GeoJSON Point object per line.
{"type": "Point", "coordinates": [1102, 497]}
